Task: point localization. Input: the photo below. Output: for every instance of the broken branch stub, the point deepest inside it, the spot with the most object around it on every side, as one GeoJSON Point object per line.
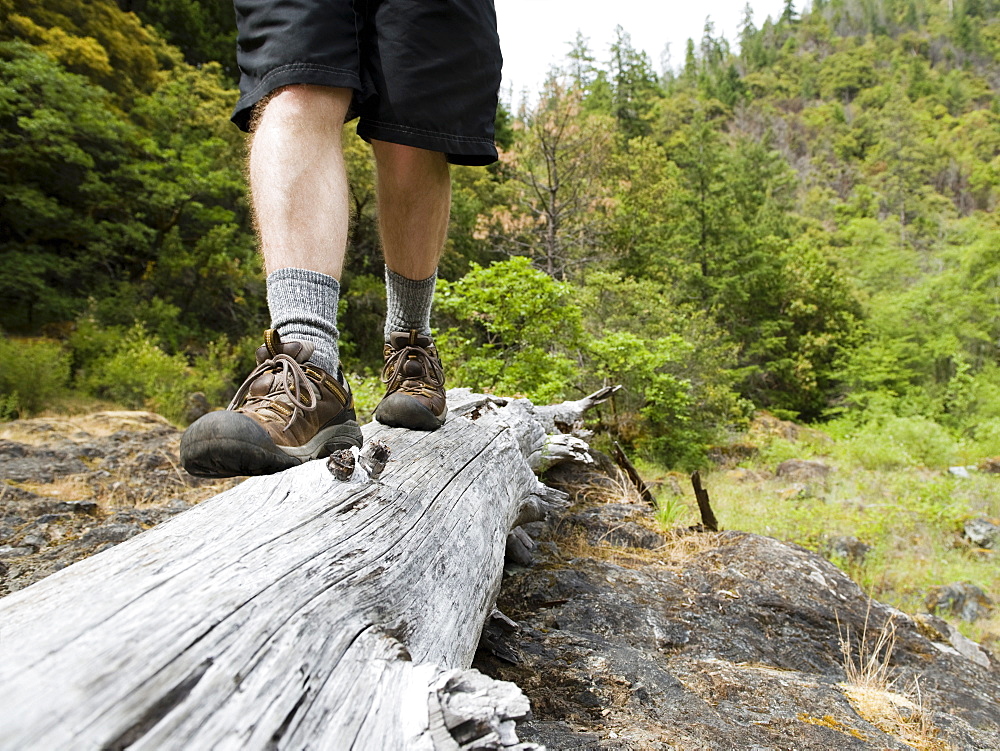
{"type": "Point", "coordinates": [708, 520]}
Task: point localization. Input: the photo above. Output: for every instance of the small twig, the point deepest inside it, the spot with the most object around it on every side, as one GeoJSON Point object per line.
{"type": "Point", "coordinates": [633, 475]}
{"type": "Point", "coordinates": [708, 520]}
{"type": "Point", "coordinates": [177, 470]}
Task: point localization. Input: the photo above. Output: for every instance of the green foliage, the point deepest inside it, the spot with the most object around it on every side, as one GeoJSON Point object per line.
{"type": "Point", "coordinates": [634, 87]}
{"type": "Point", "coordinates": [139, 217]}
{"type": "Point", "coordinates": [204, 30]}
{"type": "Point", "coordinates": [675, 364]}
{"type": "Point", "coordinates": [669, 510]}
{"type": "Point", "coordinates": [660, 397]}
{"type": "Point", "coordinates": [93, 38]}
{"type": "Point", "coordinates": [511, 329]}
{"type": "Point", "coordinates": [34, 372]}
{"type": "Point", "coordinates": [65, 162]}
{"type": "Point", "coordinates": [138, 374]}
{"type": "Point", "coordinates": [897, 442]}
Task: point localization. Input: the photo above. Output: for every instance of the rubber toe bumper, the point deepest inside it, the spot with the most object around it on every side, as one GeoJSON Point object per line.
{"type": "Point", "coordinates": [230, 444]}
{"type": "Point", "coordinates": [400, 410]}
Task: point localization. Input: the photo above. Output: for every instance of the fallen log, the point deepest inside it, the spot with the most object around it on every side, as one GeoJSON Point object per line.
{"type": "Point", "coordinates": [296, 610]}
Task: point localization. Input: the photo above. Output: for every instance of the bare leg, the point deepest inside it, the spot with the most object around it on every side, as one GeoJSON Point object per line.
{"type": "Point", "coordinates": [299, 189]}
{"type": "Point", "coordinates": [298, 181]}
{"type": "Point", "coordinates": [414, 201]}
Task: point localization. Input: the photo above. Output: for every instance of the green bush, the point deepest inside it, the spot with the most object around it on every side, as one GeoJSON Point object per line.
{"type": "Point", "coordinates": [511, 331]}
{"type": "Point", "coordinates": [34, 372]}
{"type": "Point", "coordinates": [895, 442]}
{"type": "Point", "coordinates": [929, 443]}
{"type": "Point", "coordinates": [872, 450]}
{"type": "Point", "coordinates": [987, 436]}
{"type": "Point", "coordinates": [661, 399]}
{"type": "Point", "coordinates": [90, 342]}
{"type": "Point", "coordinates": [138, 374]}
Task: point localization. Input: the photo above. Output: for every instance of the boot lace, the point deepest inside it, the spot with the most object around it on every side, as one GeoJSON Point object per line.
{"type": "Point", "coordinates": [293, 382]}
{"type": "Point", "coordinates": [395, 380]}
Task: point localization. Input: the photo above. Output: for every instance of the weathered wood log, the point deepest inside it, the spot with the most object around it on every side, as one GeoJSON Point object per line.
{"type": "Point", "coordinates": [293, 611]}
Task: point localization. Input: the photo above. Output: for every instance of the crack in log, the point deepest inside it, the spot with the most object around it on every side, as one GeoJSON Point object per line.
{"type": "Point", "coordinates": [368, 629]}
{"type": "Point", "coordinates": [272, 744]}
{"type": "Point", "coordinates": [159, 709]}
{"type": "Point", "coordinates": [93, 627]}
{"type": "Point", "coordinates": [305, 699]}
{"type": "Point", "coordinates": [351, 501]}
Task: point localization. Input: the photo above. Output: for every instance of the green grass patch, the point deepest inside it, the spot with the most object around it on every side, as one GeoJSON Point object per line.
{"type": "Point", "coordinates": [889, 487]}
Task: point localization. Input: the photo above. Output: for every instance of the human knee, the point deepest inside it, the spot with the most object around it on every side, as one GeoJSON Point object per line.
{"type": "Point", "coordinates": [404, 164]}
{"type": "Point", "coordinates": [306, 103]}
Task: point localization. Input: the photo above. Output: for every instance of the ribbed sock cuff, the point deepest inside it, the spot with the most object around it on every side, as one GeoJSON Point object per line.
{"type": "Point", "coordinates": [408, 303]}
{"type": "Point", "coordinates": [303, 306]}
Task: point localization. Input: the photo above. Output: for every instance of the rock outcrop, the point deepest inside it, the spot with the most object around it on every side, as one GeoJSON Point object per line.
{"type": "Point", "coordinates": [71, 487]}
{"type": "Point", "coordinates": [729, 640]}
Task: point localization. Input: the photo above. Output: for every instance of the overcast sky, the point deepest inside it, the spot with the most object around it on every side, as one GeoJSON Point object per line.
{"type": "Point", "coordinates": [534, 34]}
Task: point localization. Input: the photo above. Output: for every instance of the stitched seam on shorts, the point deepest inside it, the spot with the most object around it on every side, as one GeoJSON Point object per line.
{"type": "Point", "coordinates": [293, 67]}
{"type": "Point", "coordinates": [434, 133]}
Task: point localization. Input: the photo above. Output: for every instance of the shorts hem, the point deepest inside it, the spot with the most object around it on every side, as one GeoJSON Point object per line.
{"type": "Point", "coordinates": [475, 151]}
{"type": "Point", "coordinates": [288, 75]}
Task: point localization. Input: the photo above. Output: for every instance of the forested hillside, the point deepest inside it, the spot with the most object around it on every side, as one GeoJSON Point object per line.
{"type": "Point", "coordinates": [802, 220]}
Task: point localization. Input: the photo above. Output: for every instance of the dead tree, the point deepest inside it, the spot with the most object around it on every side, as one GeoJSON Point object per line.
{"type": "Point", "coordinates": [296, 610]}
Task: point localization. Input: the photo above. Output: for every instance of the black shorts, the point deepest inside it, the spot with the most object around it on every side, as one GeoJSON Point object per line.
{"type": "Point", "coordinates": [425, 73]}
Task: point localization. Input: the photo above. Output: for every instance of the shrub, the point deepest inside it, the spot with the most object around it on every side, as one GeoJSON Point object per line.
{"type": "Point", "coordinates": [987, 435]}
{"type": "Point", "coordinates": [512, 329]}
{"type": "Point", "coordinates": [90, 342]}
{"type": "Point", "coordinates": [34, 372]}
{"type": "Point", "coordinates": [925, 440]}
{"type": "Point", "coordinates": [896, 442]}
{"type": "Point", "coordinates": [871, 449]}
{"type": "Point", "coordinates": [138, 374]}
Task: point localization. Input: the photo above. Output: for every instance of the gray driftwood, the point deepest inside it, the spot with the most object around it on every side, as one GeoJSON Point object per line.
{"type": "Point", "coordinates": [295, 611]}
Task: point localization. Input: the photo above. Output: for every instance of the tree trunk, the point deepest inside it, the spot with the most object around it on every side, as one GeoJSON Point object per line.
{"type": "Point", "coordinates": [296, 610]}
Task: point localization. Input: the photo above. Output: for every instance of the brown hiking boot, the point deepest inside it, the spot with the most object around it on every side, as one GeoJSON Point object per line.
{"type": "Point", "coordinates": [287, 412]}
{"type": "Point", "coordinates": [414, 380]}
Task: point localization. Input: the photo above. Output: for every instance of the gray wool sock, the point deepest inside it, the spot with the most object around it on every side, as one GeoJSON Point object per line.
{"type": "Point", "coordinates": [408, 303]}
{"type": "Point", "coordinates": [303, 306]}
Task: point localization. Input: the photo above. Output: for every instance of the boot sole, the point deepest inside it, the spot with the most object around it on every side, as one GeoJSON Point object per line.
{"type": "Point", "coordinates": [230, 444]}
{"type": "Point", "coordinates": [403, 411]}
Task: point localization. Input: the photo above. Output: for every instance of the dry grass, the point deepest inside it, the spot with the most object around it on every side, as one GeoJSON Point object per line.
{"type": "Point", "coordinates": [679, 551]}
{"type": "Point", "coordinates": [595, 489]}
{"type": "Point", "coordinates": [73, 487]}
{"type": "Point", "coordinates": [871, 667]}
{"type": "Point", "coordinates": [872, 691]}
{"type": "Point", "coordinates": [39, 431]}
{"type": "Point", "coordinates": [129, 484]}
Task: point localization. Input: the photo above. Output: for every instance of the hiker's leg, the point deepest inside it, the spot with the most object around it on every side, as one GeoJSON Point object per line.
{"type": "Point", "coordinates": [294, 406]}
{"type": "Point", "coordinates": [298, 181]}
{"type": "Point", "coordinates": [414, 201]}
